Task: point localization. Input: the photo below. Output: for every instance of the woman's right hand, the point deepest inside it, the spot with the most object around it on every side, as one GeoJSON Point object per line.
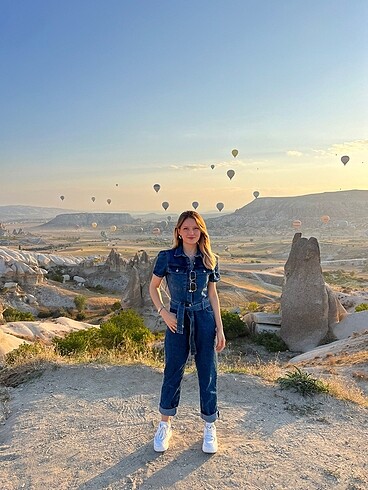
{"type": "Point", "coordinates": [170, 319]}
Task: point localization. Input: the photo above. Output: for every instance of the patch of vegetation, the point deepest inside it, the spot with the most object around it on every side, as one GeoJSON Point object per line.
{"type": "Point", "coordinates": [253, 306]}
{"type": "Point", "coordinates": [78, 342]}
{"type": "Point", "coordinates": [116, 306]}
{"type": "Point", "coordinates": [25, 353]}
{"type": "Point", "coordinates": [343, 278]}
{"type": "Point", "coordinates": [56, 274]}
{"type": "Point", "coordinates": [44, 313]}
{"type": "Point", "coordinates": [13, 315]}
{"type": "Point", "coordinates": [80, 316]}
{"type": "Point", "coordinates": [98, 288]}
{"type": "Point", "coordinates": [302, 382]}
{"type": "Point", "coordinates": [271, 341]}
{"type": "Point", "coordinates": [80, 302]}
{"type": "Point", "coordinates": [233, 325]}
{"type": "Point", "coordinates": [361, 307]}
{"type": "Point", "coordinates": [123, 332]}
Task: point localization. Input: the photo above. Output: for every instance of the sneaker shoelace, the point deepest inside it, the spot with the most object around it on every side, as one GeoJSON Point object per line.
{"type": "Point", "coordinates": [210, 433]}
{"type": "Point", "coordinates": [162, 431]}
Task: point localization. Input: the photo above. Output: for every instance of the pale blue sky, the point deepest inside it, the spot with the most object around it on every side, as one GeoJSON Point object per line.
{"type": "Point", "coordinates": [94, 93]}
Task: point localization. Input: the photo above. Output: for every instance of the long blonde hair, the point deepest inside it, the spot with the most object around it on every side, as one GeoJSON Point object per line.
{"type": "Point", "coordinates": [204, 243]}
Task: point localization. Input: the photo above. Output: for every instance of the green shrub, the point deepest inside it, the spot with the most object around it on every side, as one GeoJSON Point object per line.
{"type": "Point", "coordinates": [116, 306]}
{"type": "Point", "coordinates": [25, 353]}
{"type": "Point", "coordinates": [361, 307]}
{"type": "Point", "coordinates": [80, 302]}
{"type": "Point", "coordinates": [252, 306]}
{"type": "Point", "coordinates": [80, 316]}
{"type": "Point", "coordinates": [302, 382]}
{"type": "Point", "coordinates": [55, 274]}
{"type": "Point", "coordinates": [13, 315]}
{"type": "Point", "coordinates": [125, 329]}
{"type": "Point", "coordinates": [233, 325]}
{"type": "Point", "coordinates": [271, 341]}
{"type": "Point", "coordinates": [78, 342]}
{"type": "Point", "coordinates": [44, 313]}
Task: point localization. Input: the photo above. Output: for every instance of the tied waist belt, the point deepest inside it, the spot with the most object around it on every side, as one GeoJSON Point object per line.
{"type": "Point", "coordinates": [190, 308]}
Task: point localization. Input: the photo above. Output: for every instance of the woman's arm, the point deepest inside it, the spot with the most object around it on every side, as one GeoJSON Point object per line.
{"type": "Point", "coordinates": [215, 303]}
{"type": "Point", "coordinates": [155, 293]}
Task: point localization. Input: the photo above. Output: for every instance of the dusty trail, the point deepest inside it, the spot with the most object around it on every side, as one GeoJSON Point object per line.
{"type": "Point", "coordinates": [91, 428]}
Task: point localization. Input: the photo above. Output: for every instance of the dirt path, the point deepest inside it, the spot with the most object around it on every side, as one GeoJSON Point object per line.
{"type": "Point", "coordinates": [91, 428]}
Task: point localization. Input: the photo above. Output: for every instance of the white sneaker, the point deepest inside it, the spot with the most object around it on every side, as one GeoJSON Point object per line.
{"type": "Point", "coordinates": [209, 438]}
{"type": "Point", "coordinates": [162, 437]}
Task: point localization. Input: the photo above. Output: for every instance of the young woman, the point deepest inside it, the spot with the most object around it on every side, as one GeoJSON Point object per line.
{"type": "Point", "coordinates": [193, 322]}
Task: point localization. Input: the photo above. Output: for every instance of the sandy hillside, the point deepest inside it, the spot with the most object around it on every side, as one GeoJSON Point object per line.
{"type": "Point", "coordinates": [91, 428]}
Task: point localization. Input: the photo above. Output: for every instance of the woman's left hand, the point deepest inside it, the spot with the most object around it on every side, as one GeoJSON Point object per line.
{"type": "Point", "coordinates": [220, 340]}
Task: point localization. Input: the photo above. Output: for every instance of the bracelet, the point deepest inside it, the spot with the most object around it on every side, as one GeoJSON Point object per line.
{"type": "Point", "coordinates": [161, 308]}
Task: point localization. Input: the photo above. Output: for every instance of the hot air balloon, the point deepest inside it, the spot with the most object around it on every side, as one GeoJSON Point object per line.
{"type": "Point", "coordinates": [117, 185]}
{"type": "Point", "coordinates": [165, 205]}
{"type": "Point", "coordinates": [345, 159]}
{"type": "Point", "coordinates": [62, 198]}
{"type": "Point", "coordinates": [234, 153]}
{"type": "Point", "coordinates": [212, 166]}
{"type": "Point", "coordinates": [220, 206]}
{"type": "Point", "coordinates": [325, 219]}
{"type": "Point", "coordinates": [195, 204]}
{"type": "Point", "coordinates": [94, 225]}
{"type": "Point", "coordinates": [297, 223]}
{"type": "Point", "coordinates": [108, 201]}
{"type": "Point", "coordinates": [256, 194]}
{"type": "Point", "coordinates": [156, 231]}
{"type": "Point", "coordinates": [230, 174]}
{"type": "Point", "coordinates": [157, 187]}
{"type": "Point", "coordinates": [113, 228]}
{"type": "Point", "coordinates": [93, 199]}
{"type": "Point", "coordinates": [169, 219]}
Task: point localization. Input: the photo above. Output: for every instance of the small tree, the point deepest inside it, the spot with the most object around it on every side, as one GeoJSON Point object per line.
{"type": "Point", "coordinates": [80, 302]}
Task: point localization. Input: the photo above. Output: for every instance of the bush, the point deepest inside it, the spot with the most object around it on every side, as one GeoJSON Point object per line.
{"type": "Point", "coordinates": [271, 341]}
{"type": "Point", "coordinates": [233, 325]}
{"type": "Point", "coordinates": [302, 382]}
{"type": "Point", "coordinates": [25, 353]}
{"type": "Point", "coordinates": [80, 316]}
{"type": "Point", "coordinates": [361, 307]}
{"type": "Point", "coordinates": [13, 315]}
{"type": "Point", "coordinates": [80, 302]}
{"type": "Point", "coordinates": [55, 274]}
{"type": "Point", "coordinates": [44, 313]}
{"type": "Point", "coordinates": [116, 306]}
{"type": "Point", "coordinates": [125, 329]}
{"type": "Point", "coordinates": [252, 306]}
{"type": "Point", "coordinates": [78, 342]}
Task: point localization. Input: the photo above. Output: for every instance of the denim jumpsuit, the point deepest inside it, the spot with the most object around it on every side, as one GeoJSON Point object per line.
{"type": "Point", "coordinates": [196, 330]}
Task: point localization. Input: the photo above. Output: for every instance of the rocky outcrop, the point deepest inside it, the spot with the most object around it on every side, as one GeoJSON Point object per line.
{"type": "Point", "coordinates": [71, 220]}
{"type": "Point", "coordinates": [308, 306]}
{"type": "Point", "coordinates": [136, 294]}
{"type": "Point", "coordinates": [115, 261]}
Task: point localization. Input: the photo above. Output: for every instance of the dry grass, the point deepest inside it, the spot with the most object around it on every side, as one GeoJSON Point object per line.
{"type": "Point", "coordinates": [23, 368]}
{"type": "Point", "coordinates": [340, 389]}
{"type": "Point", "coordinates": [340, 359]}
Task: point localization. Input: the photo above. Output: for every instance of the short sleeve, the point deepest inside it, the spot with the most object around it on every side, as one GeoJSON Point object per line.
{"type": "Point", "coordinates": [215, 274]}
{"type": "Point", "coordinates": [160, 267]}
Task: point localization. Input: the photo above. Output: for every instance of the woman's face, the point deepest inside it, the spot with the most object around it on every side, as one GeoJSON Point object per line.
{"type": "Point", "coordinates": [190, 231]}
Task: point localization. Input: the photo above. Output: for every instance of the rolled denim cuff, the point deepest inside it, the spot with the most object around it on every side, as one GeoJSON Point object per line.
{"type": "Point", "coordinates": [210, 418]}
{"type": "Point", "coordinates": [170, 412]}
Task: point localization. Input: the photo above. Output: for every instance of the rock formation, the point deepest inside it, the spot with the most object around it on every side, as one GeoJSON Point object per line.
{"type": "Point", "coordinates": [136, 294]}
{"type": "Point", "coordinates": [115, 262]}
{"type": "Point", "coordinates": [308, 306]}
